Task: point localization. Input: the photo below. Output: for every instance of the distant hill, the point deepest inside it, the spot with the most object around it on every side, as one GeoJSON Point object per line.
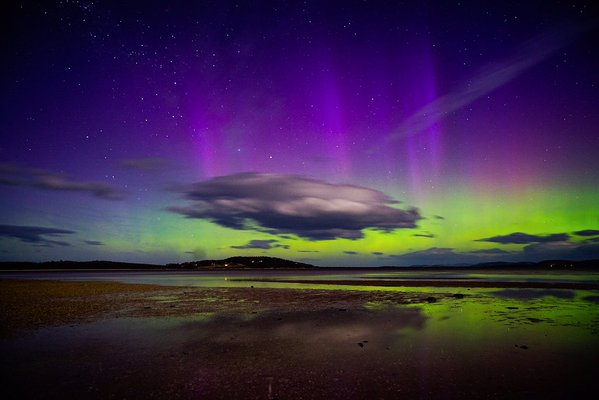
{"type": "Point", "coordinates": [243, 263]}
{"type": "Point", "coordinates": [271, 263]}
{"type": "Point", "coordinates": [228, 263]}
{"type": "Point", "coordinates": [75, 265]}
{"type": "Point", "coordinates": [545, 265]}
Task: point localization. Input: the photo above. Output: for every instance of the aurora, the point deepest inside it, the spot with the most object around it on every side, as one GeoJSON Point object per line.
{"type": "Point", "coordinates": [357, 135]}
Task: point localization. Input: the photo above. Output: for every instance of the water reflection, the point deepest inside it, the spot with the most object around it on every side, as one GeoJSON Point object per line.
{"type": "Point", "coordinates": [327, 279]}
{"type": "Point", "coordinates": [322, 328]}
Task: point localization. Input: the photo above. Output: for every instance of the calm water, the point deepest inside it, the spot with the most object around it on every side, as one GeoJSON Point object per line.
{"type": "Point", "coordinates": [256, 278]}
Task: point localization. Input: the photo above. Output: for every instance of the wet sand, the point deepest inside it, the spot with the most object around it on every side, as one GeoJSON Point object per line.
{"type": "Point", "coordinates": [102, 340]}
{"type": "Point", "coordinates": [29, 304]}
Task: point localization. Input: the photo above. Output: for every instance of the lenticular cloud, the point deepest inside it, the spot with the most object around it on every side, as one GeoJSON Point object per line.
{"type": "Point", "coordinates": [282, 204]}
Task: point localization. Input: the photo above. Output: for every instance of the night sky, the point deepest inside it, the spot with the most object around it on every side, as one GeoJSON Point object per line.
{"type": "Point", "coordinates": [354, 133]}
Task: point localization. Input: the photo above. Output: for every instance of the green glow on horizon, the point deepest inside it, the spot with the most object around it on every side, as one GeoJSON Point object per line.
{"type": "Point", "coordinates": [468, 217]}
{"type": "Point", "coordinates": [469, 214]}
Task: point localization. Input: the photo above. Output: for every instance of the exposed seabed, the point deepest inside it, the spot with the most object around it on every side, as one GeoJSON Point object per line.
{"type": "Point", "coordinates": [110, 340]}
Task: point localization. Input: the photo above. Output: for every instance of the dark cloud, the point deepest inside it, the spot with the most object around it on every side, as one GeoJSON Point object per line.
{"type": "Point", "coordinates": [378, 253]}
{"type": "Point", "coordinates": [308, 251]}
{"type": "Point", "coordinates": [524, 238]}
{"type": "Point", "coordinates": [587, 232]}
{"type": "Point", "coordinates": [432, 256]}
{"type": "Point", "coordinates": [34, 234]}
{"type": "Point", "coordinates": [436, 251]}
{"type": "Point", "coordinates": [449, 256]}
{"type": "Point", "coordinates": [11, 175]}
{"type": "Point", "coordinates": [582, 252]}
{"type": "Point", "coordinates": [565, 250]}
{"type": "Point", "coordinates": [562, 250]}
{"type": "Point", "coordinates": [550, 247]}
{"type": "Point", "coordinates": [145, 164]}
{"type": "Point", "coordinates": [262, 244]}
{"type": "Point", "coordinates": [493, 251]}
{"type": "Point", "coordinates": [351, 253]}
{"type": "Point", "coordinates": [94, 242]}
{"type": "Point", "coordinates": [439, 217]}
{"type": "Point", "coordinates": [281, 204]}
{"type": "Point", "coordinates": [57, 182]}
{"type": "Point", "coordinates": [14, 175]}
{"type": "Point", "coordinates": [424, 235]}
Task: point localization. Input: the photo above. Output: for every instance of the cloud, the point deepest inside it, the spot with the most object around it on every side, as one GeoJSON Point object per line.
{"type": "Point", "coordinates": [11, 175]}
{"type": "Point", "coordinates": [257, 244]}
{"type": "Point", "coordinates": [262, 244]}
{"type": "Point", "coordinates": [587, 232]}
{"type": "Point", "coordinates": [147, 164]}
{"type": "Point", "coordinates": [34, 234]}
{"type": "Point", "coordinates": [494, 251]}
{"type": "Point", "coordinates": [432, 256]}
{"type": "Point", "coordinates": [490, 78]}
{"type": "Point", "coordinates": [377, 253]}
{"type": "Point", "coordinates": [438, 217]}
{"type": "Point", "coordinates": [561, 250]}
{"type": "Point", "coordinates": [280, 204]}
{"type": "Point", "coordinates": [524, 238]}
{"type": "Point", "coordinates": [351, 253]}
{"type": "Point", "coordinates": [565, 250]}
{"type": "Point", "coordinates": [57, 182]}
{"type": "Point", "coordinates": [549, 247]}
{"type": "Point", "coordinates": [94, 242]}
{"type": "Point", "coordinates": [435, 251]}
{"type": "Point", "coordinates": [14, 175]}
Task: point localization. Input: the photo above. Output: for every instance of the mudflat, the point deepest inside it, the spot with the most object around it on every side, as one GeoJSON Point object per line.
{"type": "Point", "coordinates": [32, 304]}
{"type": "Point", "coordinates": [64, 339]}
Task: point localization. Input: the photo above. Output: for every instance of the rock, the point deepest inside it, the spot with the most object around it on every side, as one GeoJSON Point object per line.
{"type": "Point", "coordinates": [458, 296]}
{"type": "Point", "coordinates": [524, 347]}
{"type": "Point", "coordinates": [361, 344]}
{"type": "Point", "coordinates": [431, 299]}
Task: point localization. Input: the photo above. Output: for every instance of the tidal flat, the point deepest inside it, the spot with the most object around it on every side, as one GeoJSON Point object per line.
{"type": "Point", "coordinates": [261, 335]}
